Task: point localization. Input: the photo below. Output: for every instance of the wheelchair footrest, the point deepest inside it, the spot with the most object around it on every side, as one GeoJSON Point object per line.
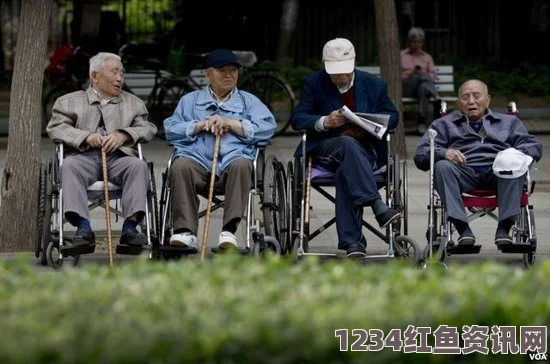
{"type": "Point", "coordinates": [74, 250]}
{"type": "Point", "coordinates": [242, 251]}
{"type": "Point", "coordinates": [178, 250]}
{"type": "Point", "coordinates": [127, 249]}
{"type": "Point", "coordinates": [463, 249]}
{"type": "Point", "coordinates": [517, 248]}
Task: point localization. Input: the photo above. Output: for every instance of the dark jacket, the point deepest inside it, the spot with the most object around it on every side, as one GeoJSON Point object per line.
{"type": "Point", "coordinates": [502, 131]}
{"type": "Point", "coordinates": [320, 97]}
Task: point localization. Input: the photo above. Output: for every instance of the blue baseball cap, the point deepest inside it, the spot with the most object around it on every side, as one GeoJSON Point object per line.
{"type": "Point", "coordinates": [219, 58]}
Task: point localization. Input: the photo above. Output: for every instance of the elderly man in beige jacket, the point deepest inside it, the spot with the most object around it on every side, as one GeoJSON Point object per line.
{"type": "Point", "coordinates": [105, 117]}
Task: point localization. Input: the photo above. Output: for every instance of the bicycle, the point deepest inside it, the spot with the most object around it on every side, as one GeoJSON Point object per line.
{"type": "Point", "coordinates": [70, 74]}
{"type": "Point", "coordinates": [266, 84]}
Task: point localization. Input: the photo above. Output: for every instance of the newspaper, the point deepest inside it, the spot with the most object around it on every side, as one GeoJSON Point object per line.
{"type": "Point", "coordinates": [375, 124]}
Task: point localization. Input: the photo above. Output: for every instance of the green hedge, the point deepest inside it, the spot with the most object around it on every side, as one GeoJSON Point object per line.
{"type": "Point", "coordinates": [238, 309]}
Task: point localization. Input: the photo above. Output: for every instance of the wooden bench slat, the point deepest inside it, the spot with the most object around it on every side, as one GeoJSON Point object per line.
{"type": "Point", "coordinates": [444, 82]}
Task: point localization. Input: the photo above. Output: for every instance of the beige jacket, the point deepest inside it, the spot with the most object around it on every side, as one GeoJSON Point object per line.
{"type": "Point", "coordinates": [76, 115]}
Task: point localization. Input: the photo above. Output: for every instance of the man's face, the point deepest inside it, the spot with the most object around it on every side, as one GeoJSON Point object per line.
{"type": "Point", "coordinates": [224, 79]}
{"type": "Point", "coordinates": [341, 80]}
{"type": "Point", "coordinates": [415, 43]}
{"type": "Point", "coordinates": [109, 79]}
{"type": "Point", "coordinates": [473, 100]}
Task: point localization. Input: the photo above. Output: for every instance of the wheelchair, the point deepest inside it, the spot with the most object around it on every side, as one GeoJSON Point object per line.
{"type": "Point", "coordinates": [261, 238]}
{"type": "Point", "coordinates": [53, 244]}
{"type": "Point", "coordinates": [481, 202]}
{"type": "Point", "coordinates": [392, 177]}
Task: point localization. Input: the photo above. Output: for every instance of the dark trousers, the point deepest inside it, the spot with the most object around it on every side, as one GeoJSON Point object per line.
{"type": "Point", "coordinates": [422, 88]}
{"type": "Point", "coordinates": [451, 180]}
{"type": "Point", "coordinates": [189, 179]}
{"type": "Point", "coordinates": [354, 182]}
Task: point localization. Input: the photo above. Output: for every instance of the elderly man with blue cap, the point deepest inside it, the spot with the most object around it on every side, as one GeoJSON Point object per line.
{"type": "Point", "coordinates": [242, 120]}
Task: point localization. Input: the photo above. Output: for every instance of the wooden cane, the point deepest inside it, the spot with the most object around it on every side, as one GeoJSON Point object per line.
{"type": "Point", "coordinates": [308, 189]}
{"type": "Point", "coordinates": [210, 196]}
{"type": "Point", "coordinates": [107, 209]}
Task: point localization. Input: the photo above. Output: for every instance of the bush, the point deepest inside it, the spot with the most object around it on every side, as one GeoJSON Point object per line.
{"type": "Point", "coordinates": [235, 309]}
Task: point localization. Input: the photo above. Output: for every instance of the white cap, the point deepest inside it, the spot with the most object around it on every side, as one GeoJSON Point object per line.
{"type": "Point", "coordinates": [339, 56]}
{"type": "Point", "coordinates": [511, 163]}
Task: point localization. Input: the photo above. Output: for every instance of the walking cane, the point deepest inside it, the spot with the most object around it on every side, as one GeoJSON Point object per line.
{"type": "Point", "coordinates": [107, 209]}
{"type": "Point", "coordinates": [210, 196]}
{"type": "Point", "coordinates": [431, 225]}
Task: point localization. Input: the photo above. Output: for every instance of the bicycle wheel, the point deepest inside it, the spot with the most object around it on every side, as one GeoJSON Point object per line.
{"type": "Point", "coordinates": [169, 94]}
{"type": "Point", "coordinates": [47, 104]}
{"type": "Point", "coordinates": [275, 93]}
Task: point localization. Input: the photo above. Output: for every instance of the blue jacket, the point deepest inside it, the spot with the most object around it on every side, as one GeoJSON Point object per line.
{"type": "Point", "coordinates": [320, 97]}
{"type": "Point", "coordinates": [258, 124]}
{"type": "Point", "coordinates": [502, 131]}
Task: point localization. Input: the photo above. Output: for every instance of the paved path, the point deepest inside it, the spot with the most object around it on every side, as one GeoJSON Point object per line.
{"type": "Point", "coordinates": [158, 152]}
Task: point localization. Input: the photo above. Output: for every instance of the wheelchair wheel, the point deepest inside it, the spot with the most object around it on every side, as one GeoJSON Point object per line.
{"type": "Point", "coordinates": [40, 245]}
{"type": "Point", "coordinates": [405, 197]}
{"type": "Point", "coordinates": [271, 247]}
{"type": "Point", "coordinates": [529, 259]}
{"type": "Point", "coordinates": [52, 254]}
{"type": "Point", "coordinates": [274, 202]}
{"type": "Point", "coordinates": [435, 249]}
{"type": "Point", "coordinates": [165, 220]}
{"type": "Point", "coordinates": [406, 247]}
{"type": "Point", "coordinates": [153, 208]}
{"type": "Point", "coordinates": [290, 206]}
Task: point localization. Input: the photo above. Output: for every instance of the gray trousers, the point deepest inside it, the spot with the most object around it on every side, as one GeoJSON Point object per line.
{"type": "Point", "coordinates": [189, 179]}
{"type": "Point", "coordinates": [81, 170]}
{"type": "Point", "coordinates": [451, 180]}
{"type": "Point", "coordinates": [422, 88]}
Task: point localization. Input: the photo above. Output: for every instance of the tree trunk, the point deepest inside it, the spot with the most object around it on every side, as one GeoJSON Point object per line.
{"type": "Point", "coordinates": [19, 190]}
{"type": "Point", "coordinates": [390, 64]}
{"type": "Point", "coordinates": [289, 15]}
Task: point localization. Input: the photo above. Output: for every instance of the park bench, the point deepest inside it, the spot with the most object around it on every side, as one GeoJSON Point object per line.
{"type": "Point", "coordinates": [444, 82]}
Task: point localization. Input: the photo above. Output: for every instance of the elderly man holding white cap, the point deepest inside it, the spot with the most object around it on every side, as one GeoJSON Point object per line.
{"type": "Point", "coordinates": [342, 147]}
{"type": "Point", "coordinates": [476, 147]}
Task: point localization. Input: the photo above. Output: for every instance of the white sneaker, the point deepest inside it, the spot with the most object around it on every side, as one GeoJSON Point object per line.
{"type": "Point", "coordinates": [186, 240]}
{"type": "Point", "coordinates": [227, 240]}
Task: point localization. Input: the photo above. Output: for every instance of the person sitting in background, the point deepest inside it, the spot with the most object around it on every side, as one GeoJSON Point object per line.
{"type": "Point", "coordinates": [418, 75]}
{"type": "Point", "coordinates": [105, 117]}
{"type": "Point", "coordinates": [466, 145]}
{"type": "Point", "coordinates": [343, 147]}
{"type": "Point", "coordinates": [243, 122]}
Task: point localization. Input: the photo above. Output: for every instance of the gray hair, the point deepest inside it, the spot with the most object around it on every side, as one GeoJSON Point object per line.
{"type": "Point", "coordinates": [416, 32]}
{"type": "Point", "coordinates": [96, 62]}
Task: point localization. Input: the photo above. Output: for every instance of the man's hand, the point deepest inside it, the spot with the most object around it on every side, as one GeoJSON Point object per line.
{"type": "Point", "coordinates": [94, 140]}
{"type": "Point", "coordinates": [217, 124]}
{"type": "Point", "coordinates": [113, 141]}
{"type": "Point", "coordinates": [334, 120]}
{"type": "Point", "coordinates": [455, 156]}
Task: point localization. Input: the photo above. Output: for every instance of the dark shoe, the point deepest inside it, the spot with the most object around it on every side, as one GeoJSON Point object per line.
{"type": "Point", "coordinates": [83, 237]}
{"type": "Point", "coordinates": [388, 217]}
{"type": "Point", "coordinates": [356, 251]}
{"type": "Point", "coordinates": [467, 238]}
{"type": "Point", "coordinates": [133, 238]}
{"type": "Point", "coordinates": [502, 238]}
